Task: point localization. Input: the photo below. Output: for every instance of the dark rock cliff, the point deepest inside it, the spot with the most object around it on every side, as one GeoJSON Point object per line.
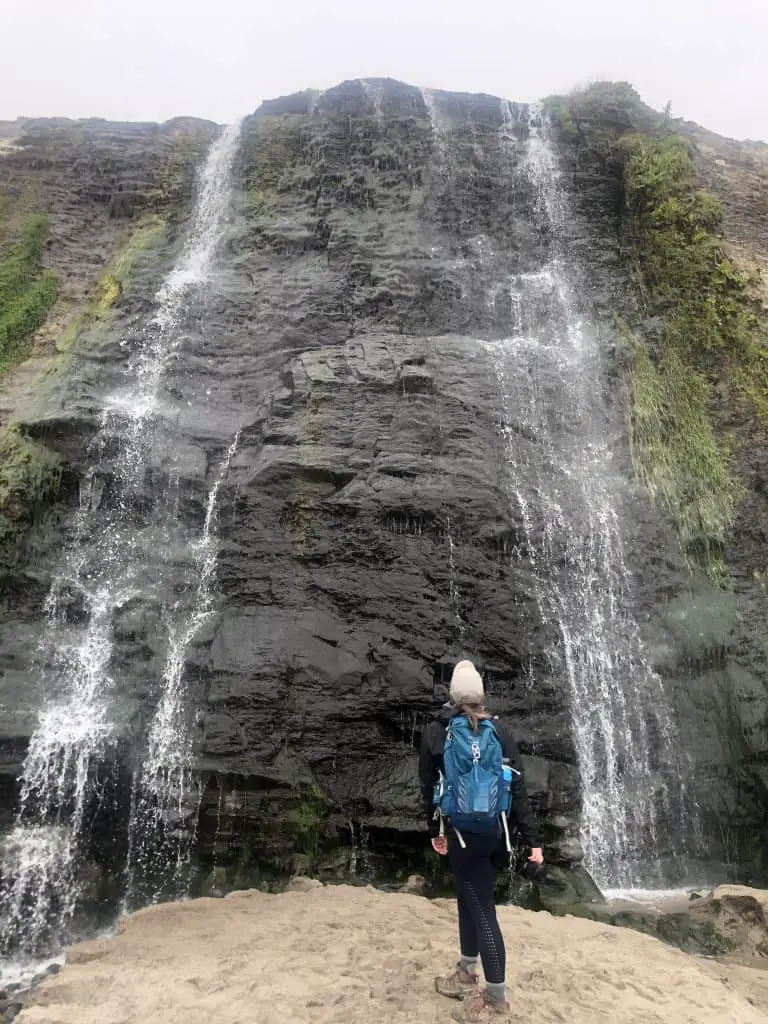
{"type": "Point", "coordinates": [367, 535]}
{"type": "Point", "coordinates": [360, 271]}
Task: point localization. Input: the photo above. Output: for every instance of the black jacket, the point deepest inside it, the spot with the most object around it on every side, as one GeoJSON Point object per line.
{"type": "Point", "coordinates": [431, 763]}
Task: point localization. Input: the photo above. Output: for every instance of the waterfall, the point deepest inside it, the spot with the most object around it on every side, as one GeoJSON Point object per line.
{"type": "Point", "coordinates": [166, 797]}
{"type": "Point", "coordinates": [113, 557]}
{"type": "Point", "coordinates": [511, 116]}
{"type": "Point", "coordinates": [564, 486]}
{"type": "Point", "coordinates": [375, 94]}
{"type": "Point", "coordinates": [359, 856]}
{"type": "Point", "coordinates": [435, 120]}
{"type": "Point", "coordinates": [453, 583]}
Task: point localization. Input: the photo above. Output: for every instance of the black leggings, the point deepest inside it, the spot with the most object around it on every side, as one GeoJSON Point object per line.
{"type": "Point", "coordinates": [479, 930]}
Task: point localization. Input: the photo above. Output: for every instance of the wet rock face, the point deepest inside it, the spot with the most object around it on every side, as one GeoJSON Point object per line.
{"type": "Point", "coordinates": [368, 536]}
{"type": "Point", "coordinates": [366, 528]}
{"type": "Point", "coordinates": [89, 178]}
{"type": "Point", "coordinates": [95, 182]}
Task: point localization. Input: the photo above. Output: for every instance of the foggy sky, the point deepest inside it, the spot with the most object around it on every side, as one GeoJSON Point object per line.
{"type": "Point", "coordinates": [154, 59]}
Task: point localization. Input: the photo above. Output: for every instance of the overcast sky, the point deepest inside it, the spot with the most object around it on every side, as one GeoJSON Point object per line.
{"type": "Point", "coordinates": [154, 59]}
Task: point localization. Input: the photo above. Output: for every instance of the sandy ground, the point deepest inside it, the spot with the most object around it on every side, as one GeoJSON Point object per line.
{"type": "Point", "coordinates": [346, 955]}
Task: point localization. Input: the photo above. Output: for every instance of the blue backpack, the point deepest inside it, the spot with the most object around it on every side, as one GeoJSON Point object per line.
{"type": "Point", "coordinates": [473, 792]}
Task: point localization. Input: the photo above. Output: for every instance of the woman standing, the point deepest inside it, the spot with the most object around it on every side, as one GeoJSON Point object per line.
{"type": "Point", "coordinates": [471, 856]}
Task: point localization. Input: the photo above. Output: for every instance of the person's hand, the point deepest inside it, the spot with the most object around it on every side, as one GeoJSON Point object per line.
{"type": "Point", "coordinates": [440, 845]}
{"type": "Point", "coordinates": [536, 855]}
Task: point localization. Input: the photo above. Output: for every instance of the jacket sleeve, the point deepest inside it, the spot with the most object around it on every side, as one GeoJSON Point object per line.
{"type": "Point", "coordinates": [521, 814]}
{"type": "Point", "coordinates": [429, 766]}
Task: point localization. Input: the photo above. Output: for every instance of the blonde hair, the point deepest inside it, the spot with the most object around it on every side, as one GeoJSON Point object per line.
{"type": "Point", "coordinates": [475, 714]}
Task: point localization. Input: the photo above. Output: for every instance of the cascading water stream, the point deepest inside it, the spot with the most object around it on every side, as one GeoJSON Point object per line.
{"type": "Point", "coordinates": [106, 565]}
{"type": "Point", "coordinates": [375, 94]}
{"type": "Point", "coordinates": [166, 794]}
{"type": "Point", "coordinates": [453, 583]}
{"type": "Point", "coordinates": [563, 486]}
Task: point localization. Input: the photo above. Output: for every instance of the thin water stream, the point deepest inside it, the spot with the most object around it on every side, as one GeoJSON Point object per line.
{"type": "Point", "coordinates": [104, 569]}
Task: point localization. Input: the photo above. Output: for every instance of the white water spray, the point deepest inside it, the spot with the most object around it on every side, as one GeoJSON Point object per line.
{"type": "Point", "coordinates": [453, 583]}
{"type": "Point", "coordinates": [563, 485]}
{"type": "Point", "coordinates": [101, 573]}
{"type": "Point", "coordinates": [167, 796]}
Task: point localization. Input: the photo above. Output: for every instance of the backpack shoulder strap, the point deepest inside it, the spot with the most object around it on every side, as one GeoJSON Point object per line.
{"type": "Point", "coordinates": [458, 723]}
{"type": "Point", "coordinates": [488, 726]}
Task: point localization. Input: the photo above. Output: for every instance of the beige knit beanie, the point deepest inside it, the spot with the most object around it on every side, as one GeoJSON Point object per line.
{"type": "Point", "coordinates": [466, 684]}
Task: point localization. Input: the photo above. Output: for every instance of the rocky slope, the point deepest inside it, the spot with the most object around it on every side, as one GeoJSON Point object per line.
{"type": "Point", "coordinates": [367, 533]}
{"type": "Point", "coordinates": [100, 186]}
{"type": "Point", "coordinates": [111, 197]}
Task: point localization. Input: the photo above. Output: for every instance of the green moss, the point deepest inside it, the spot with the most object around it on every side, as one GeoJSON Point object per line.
{"type": "Point", "coordinates": [597, 117]}
{"type": "Point", "coordinates": [714, 328]}
{"type": "Point", "coordinates": [20, 266]}
{"type": "Point", "coordinates": [675, 229]}
{"type": "Point", "coordinates": [272, 147]}
{"type": "Point", "coordinates": [148, 234]}
{"type": "Point", "coordinates": [27, 292]}
{"type": "Point", "coordinates": [306, 819]}
{"type": "Point", "coordinates": [30, 475]}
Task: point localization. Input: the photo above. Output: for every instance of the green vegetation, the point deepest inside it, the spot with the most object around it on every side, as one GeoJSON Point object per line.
{"type": "Point", "coordinates": [305, 820]}
{"type": "Point", "coordinates": [677, 455]}
{"type": "Point", "coordinates": [272, 146]}
{"type": "Point", "coordinates": [676, 232]}
{"type": "Point", "coordinates": [30, 474]}
{"type": "Point", "coordinates": [27, 292]}
{"type": "Point", "coordinates": [714, 328]}
{"type": "Point", "coordinates": [148, 234]}
{"type": "Point", "coordinates": [595, 119]}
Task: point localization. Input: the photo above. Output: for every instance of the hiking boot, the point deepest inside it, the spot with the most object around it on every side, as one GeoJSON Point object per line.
{"type": "Point", "coordinates": [457, 984]}
{"type": "Point", "coordinates": [479, 1009]}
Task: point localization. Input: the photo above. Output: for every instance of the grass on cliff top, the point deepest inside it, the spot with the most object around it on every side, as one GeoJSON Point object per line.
{"type": "Point", "coordinates": [27, 292]}
{"type": "Point", "coordinates": [595, 118]}
{"type": "Point", "coordinates": [714, 326]}
{"type": "Point", "coordinates": [676, 230]}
